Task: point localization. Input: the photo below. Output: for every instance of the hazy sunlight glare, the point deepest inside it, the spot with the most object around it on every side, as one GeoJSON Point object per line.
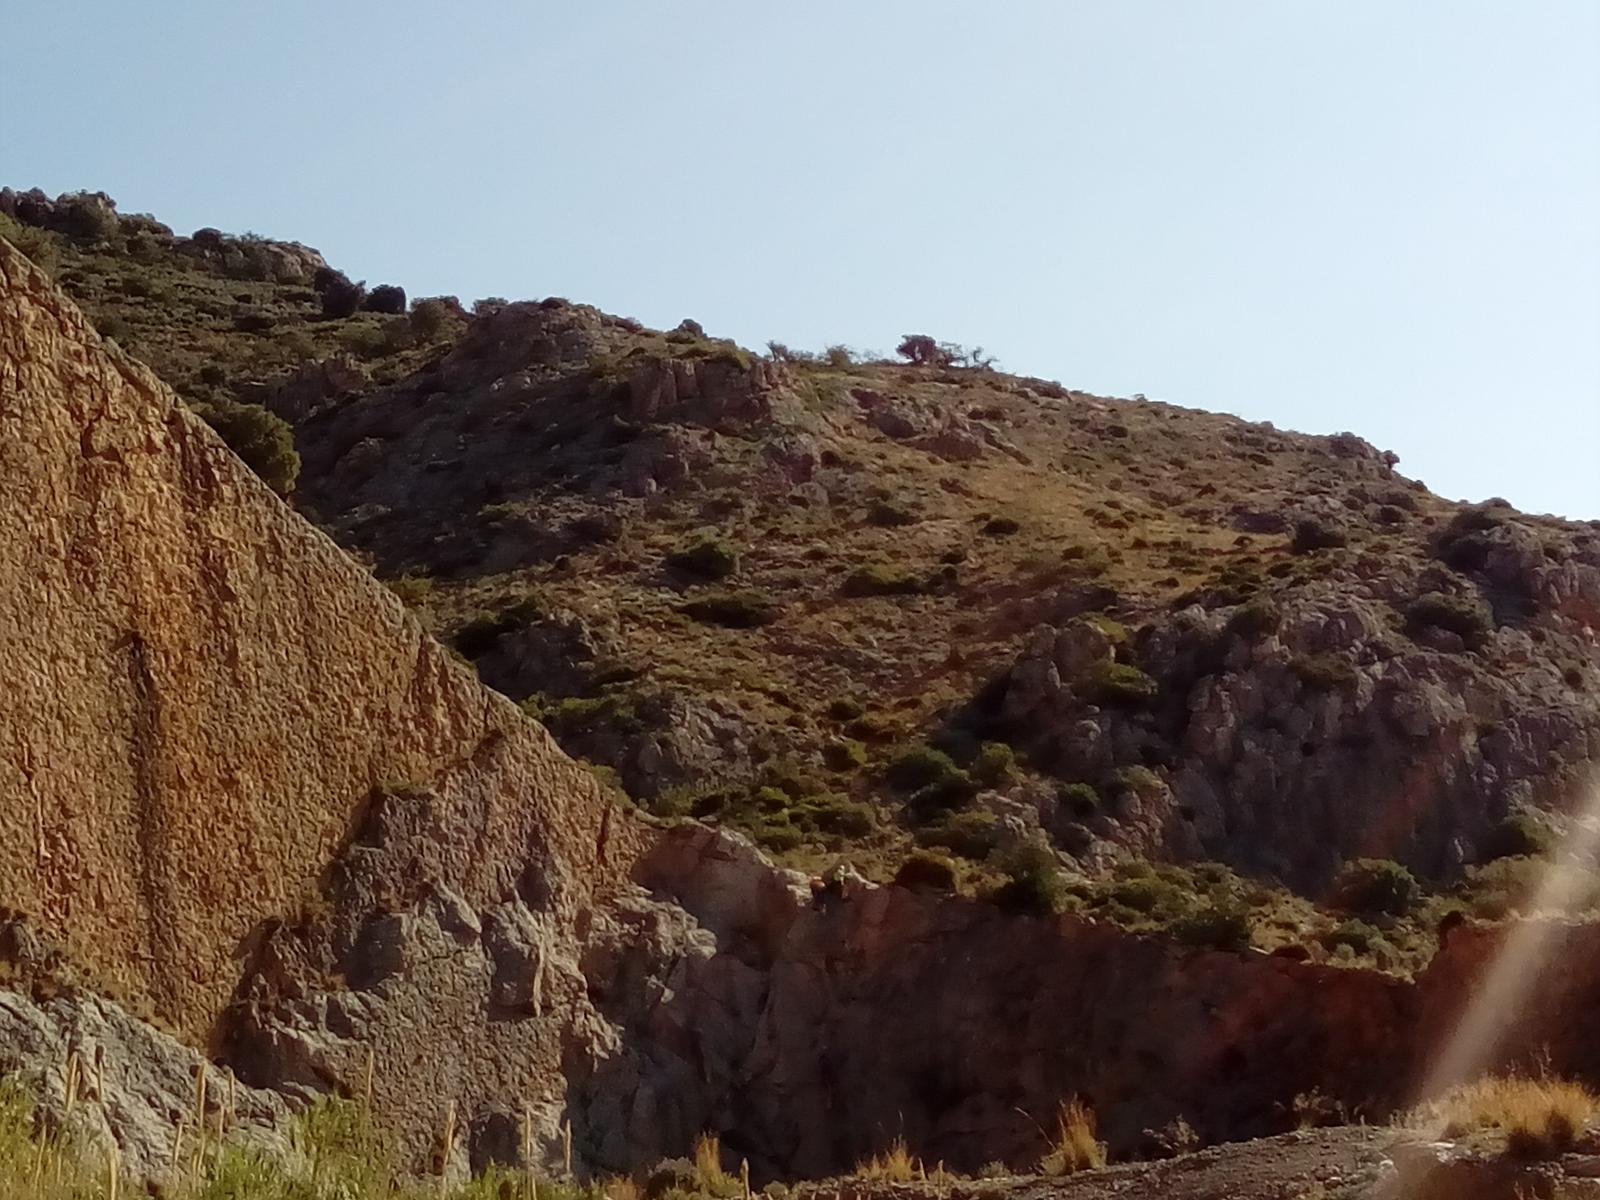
{"type": "Point", "coordinates": [1521, 960]}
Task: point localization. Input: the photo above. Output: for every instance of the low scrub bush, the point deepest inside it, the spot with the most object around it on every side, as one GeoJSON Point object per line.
{"type": "Point", "coordinates": [951, 792]}
{"type": "Point", "coordinates": [1323, 672]}
{"type": "Point", "coordinates": [919, 767]}
{"type": "Point", "coordinates": [1360, 936]}
{"type": "Point", "coordinates": [844, 708]}
{"type": "Point", "coordinates": [1216, 927]}
{"type": "Point", "coordinates": [835, 815]}
{"type": "Point", "coordinates": [924, 869]}
{"type": "Point", "coordinates": [1516, 835]}
{"type": "Point", "coordinates": [995, 764]}
{"type": "Point", "coordinates": [746, 609]}
{"type": "Point", "coordinates": [1465, 616]}
{"type": "Point", "coordinates": [888, 515]}
{"type": "Point", "coordinates": [1256, 618]}
{"type": "Point", "coordinates": [882, 581]}
{"type": "Point", "coordinates": [1375, 886]}
{"type": "Point", "coordinates": [844, 754]}
{"type": "Point", "coordinates": [1119, 684]}
{"type": "Point", "coordinates": [262, 439]}
{"type": "Point", "coordinates": [705, 556]}
{"type": "Point", "coordinates": [1034, 884]}
{"type": "Point", "coordinates": [970, 835]}
{"type": "Point", "coordinates": [340, 297]}
{"type": "Point", "coordinates": [386, 298]}
{"type": "Point", "coordinates": [477, 635]}
{"type": "Point", "coordinates": [1079, 800]}
{"type": "Point", "coordinates": [413, 590]}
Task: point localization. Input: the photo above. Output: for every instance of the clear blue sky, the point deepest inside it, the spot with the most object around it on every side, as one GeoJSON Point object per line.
{"type": "Point", "coordinates": [1365, 214]}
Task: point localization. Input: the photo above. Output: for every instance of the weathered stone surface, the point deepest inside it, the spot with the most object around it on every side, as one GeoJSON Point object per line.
{"type": "Point", "coordinates": [719, 392]}
{"type": "Point", "coordinates": [1337, 732]}
{"type": "Point", "coordinates": [134, 1086]}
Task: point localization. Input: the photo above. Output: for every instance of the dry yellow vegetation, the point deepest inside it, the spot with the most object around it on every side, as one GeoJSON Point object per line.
{"type": "Point", "coordinates": [1075, 1146]}
{"type": "Point", "coordinates": [1538, 1115]}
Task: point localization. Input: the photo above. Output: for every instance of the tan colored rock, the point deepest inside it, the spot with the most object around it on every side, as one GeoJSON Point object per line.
{"type": "Point", "coordinates": [201, 690]}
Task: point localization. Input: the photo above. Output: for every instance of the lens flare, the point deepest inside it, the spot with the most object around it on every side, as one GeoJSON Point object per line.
{"type": "Point", "coordinates": [1520, 960]}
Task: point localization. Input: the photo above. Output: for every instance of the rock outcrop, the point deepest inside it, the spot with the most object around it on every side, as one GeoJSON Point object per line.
{"type": "Point", "coordinates": [1398, 714]}
{"type": "Point", "coordinates": [133, 1089]}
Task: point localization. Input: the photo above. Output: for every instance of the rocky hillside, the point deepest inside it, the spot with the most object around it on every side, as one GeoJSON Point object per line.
{"type": "Point", "coordinates": [856, 607]}
{"type": "Point", "coordinates": [852, 608]}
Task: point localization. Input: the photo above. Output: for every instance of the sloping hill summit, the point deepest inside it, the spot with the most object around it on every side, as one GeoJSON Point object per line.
{"type": "Point", "coordinates": [1101, 700]}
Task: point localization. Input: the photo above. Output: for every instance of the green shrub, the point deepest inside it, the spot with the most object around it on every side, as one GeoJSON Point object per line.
{"type": "Point", "coordinates": [844, 708]}
{"type": "Point", "coordinates": [1466, 617]}
{"type": "Point", "coordinates": [1217, 926]}
{"type": "Point", "coordinates": [262, 439]}
{"type": "Point", "coordinates": [995, 765]}
{"type": "Point", "coordinates": [705, 556]}
{"type": "Point", "coordinates": [87, 219]}
{"type": "Point", "coordinates": [1081, 800]}
{"type": "Point", "coordinates": [1119, 684]}
{"type": "Point", "coordinates": [777, 834]}
{"type": "Point", "coordinates": [1115, 631]}
{"type": "Point", "coordinates": [413, 590]}
{"type": "Point", "coordinates": [889, 516]}
{"type": "Point", "coordinates": [733, 610]}
{"type": "Point", "coordinates": [477, 635]}
{"type": "Point", "coordinates": [1257, 618]}
{"type": "Point", "coordinates": [791, 778]}
{"type": "Point", "coordinates": [386, 298]}
{"type": "Point", "coordinates": [1136, 779]}
{"type": "Point", "coordinates": [1375, 886]}
{"type": "Point", "coordinates": [39, 245]}
{"type": "Point", "coordinates": [1149, 895]}
{"type": "Point", "coordinates": [1516, 835]}
{"type": "Point", "coordinates": [844, 754]}
{"type": "Point", "coordinates": [573, 715]}
{"type": "Point", "coordinates": [923, 869]}
{"type": "Point", "coordinates": [1034, 883]}
{"type": "Point", "coordinates": [971, 835]}
{"type": "Point", "coordinates": [436, 317]}
{"type": "Point", "coordinates": [919, 766]}
{"type": "Point", "coordinates": [1463, 542]}
{"type": "Point", "coordinates": [1358, 935]}
{"type": "Point", "coordinates": [882, 581]}
{"type": "Point", "coordinates": [953, 791]}
{"type": "Point", "coordinates": [834, 814]}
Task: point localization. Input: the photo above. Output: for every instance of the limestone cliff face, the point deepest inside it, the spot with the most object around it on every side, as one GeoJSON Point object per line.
{"type": "Point", "coordinates": [202, 691]}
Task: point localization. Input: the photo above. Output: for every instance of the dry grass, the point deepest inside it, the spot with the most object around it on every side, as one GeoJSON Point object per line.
{"type": "Point", "coordinates": [1539, 1116]}
{"type": "Point", "coordinates": [708, 1162]}
{"type": "Point", "coordinates": [892, 1165]}
{"type": "Point", "coordinates": [337, 1158]}
{"type": "Point", "coordinates": [1075, 1147]}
